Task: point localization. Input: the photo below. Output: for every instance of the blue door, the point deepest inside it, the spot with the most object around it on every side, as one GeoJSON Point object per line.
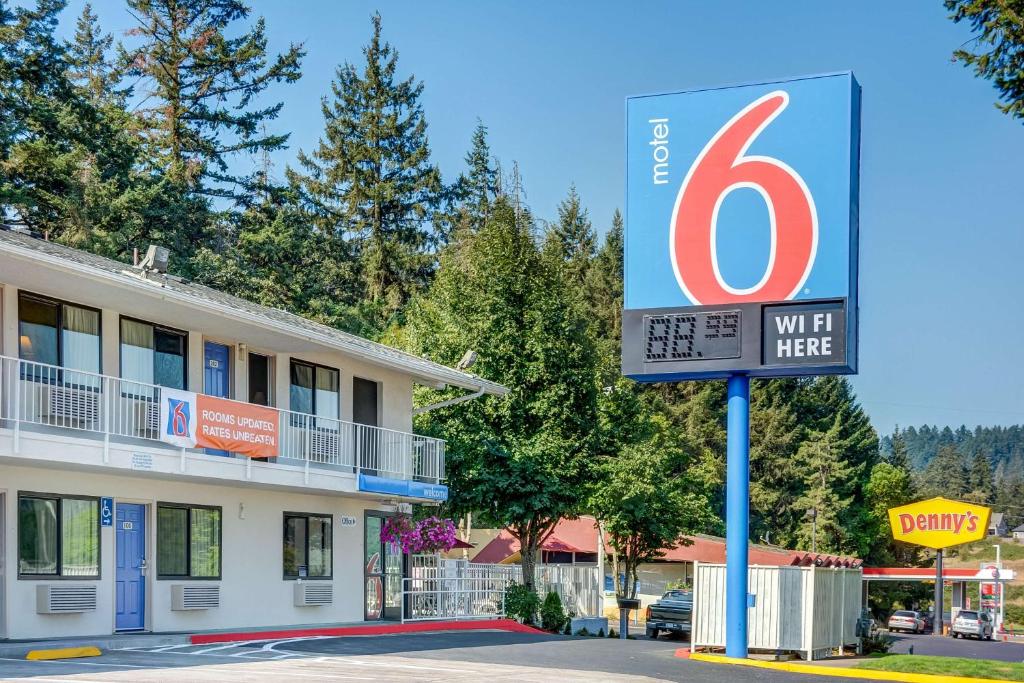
{"type": "Point", "coordinates": [216, 376]}
{"type": "Point", "coordinates": [130, 541]}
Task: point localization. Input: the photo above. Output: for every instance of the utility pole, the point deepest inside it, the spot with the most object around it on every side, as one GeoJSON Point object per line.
{"type": "Point", "coordinates": [999, 584]}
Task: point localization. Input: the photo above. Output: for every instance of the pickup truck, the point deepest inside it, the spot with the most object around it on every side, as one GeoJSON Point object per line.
{"type": "Point", "coordinates": [672, 613]}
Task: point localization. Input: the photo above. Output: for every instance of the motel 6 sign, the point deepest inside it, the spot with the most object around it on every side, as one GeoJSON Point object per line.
{"type": "Point", "coordinates": [741, 230]}
{"type": "Point", "coordinates": [939, 523]}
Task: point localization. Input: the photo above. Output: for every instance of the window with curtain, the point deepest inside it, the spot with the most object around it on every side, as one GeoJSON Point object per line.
{"type": "Point", "coordinates": [307, 546]}
{"type": "Point", "coordinates": [188, 541]}
{"type": "Point", "coordinates": [153, 355]}
{"type": "Point", "coordinates": [58, 536]}
{"type": "Point", "coordinates": [59, 334]}
{"type": "Point", "coordinates": [314, 390]}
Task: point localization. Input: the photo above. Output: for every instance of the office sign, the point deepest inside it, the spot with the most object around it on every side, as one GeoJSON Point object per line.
{"type": "Point", "coordinates": [939, 523]}
{"type": "Point", "coordinates": [741, 230]}
{"type": "Point", "coordinates": [194, 420]}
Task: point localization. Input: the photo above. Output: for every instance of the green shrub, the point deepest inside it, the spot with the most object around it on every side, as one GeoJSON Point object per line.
{"type": "Point", "coordinates": [1014, 614]}
{"type": "Point", "coordinates": [521, 603]}
{"type": "Point", "coordinates": [878, 643]}
{"type": "Point", "coordinates": [552, 616]}
{"type": "Point", "coordinates": [583, 632]}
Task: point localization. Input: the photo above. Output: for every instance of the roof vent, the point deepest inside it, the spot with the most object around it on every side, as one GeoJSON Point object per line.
{"type": "Point", "coordinates": [155, 259]}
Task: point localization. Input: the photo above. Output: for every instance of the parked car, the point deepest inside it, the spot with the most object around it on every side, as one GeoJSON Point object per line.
{"type": "Point", "coordinates": [972, 623]}
{"type": "Point", "coordinates": [906, 621]}
{"type": "Point", "coordinates": [672, 613]}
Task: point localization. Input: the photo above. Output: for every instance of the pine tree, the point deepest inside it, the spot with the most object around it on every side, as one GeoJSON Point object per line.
{"type": "Point", "coordinates": [775, 435]}
{"type": "Point", "coordinates": [200, 78]}
{"type": "Point", "coordinates": [572, 238]}
{"type": "Point", "coordinates": [898, 456]}
{"type": "Point", "coordinates": [370, 179]}
{"type": "Point", "coordinates": [604, 285]}
{"type": "Point", "coordinates": [980, 479]}
{"type": "Point", "coordinates": [70, 155]}
{"type": "Point", "coordinates": [480, 185]}
{"type": "Point", "coordinates": [1000, 43]}
{"type": "Point", "coordinates": [825, 501]}
{"type": "Point", "coordinates": [946, 475]}
{"type": "Point", "coordinates": [521, 462]}
{"type": "Point", "coordinates": [89, 65]}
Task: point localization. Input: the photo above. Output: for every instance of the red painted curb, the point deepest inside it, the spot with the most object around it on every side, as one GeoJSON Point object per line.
{"type": "Point", "coordinates": [683, 653]}
{"type": "Point", "coordinates": [368, 630]}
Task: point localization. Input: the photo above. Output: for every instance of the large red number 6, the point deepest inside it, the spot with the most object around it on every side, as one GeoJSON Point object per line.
{"type": "Point", "coordinates": [721, 168]}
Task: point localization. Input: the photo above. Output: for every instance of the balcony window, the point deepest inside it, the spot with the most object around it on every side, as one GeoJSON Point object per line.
{"type": "Point", "coordinates": [153, 355]}
{"type": "Point", "coordinates": [307, 546]}
{"type": "Point", "coordinates": [188, 541]}
{"type": "Point", "coordinates": [60, 334]}
{"type": "Point", "coordinates": [314, 390]}
{"type": "Point", "coordinates": [58, 536]}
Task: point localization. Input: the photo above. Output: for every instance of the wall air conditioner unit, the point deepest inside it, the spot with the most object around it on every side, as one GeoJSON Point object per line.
{"type": "Point", "coordinates": [314, 593]}
{"type": "Point", "coordinates": [323, 445]}
{"type": "Point", "coordinates": [76, 405]}
{"type": "Point", "coordinates": [189, 596]}
{"type": "Point", "coordinates": [152, 423]}
{"type": "Point", "coordinates": [57, 598]}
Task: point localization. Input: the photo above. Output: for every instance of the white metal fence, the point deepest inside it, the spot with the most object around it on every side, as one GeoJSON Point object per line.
{"type": "Point", "coordinates": [458, 589]}
{"type": "Point", "coordinates": [41, 396]}
{"type": "Point", "coordinates": [809, 610]}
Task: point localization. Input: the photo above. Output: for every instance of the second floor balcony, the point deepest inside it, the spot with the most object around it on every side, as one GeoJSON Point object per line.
{"type": "Point", "coordinates": [49, 399]}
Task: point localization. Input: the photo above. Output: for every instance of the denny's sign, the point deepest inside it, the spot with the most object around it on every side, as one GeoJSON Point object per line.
{"type": "Point", "coordinates": [195, 420]}
{"type": "Point", "coordinates": [939, 523]}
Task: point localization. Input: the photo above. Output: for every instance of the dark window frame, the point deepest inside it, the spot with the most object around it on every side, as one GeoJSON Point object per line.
{"type": "Point", "coordinates": [305, 516]}
{"type": "Point", "coordinates": [60, 303]}
{"type": "Point", "coordinates": [60, 576]}
{"type": "Point", "coordinates": [270, 377]}
{"type": "Point", "coordinates": [314, 366]}
{"type": "Point", "coordinates": [155, 326]}
{"type": "Point", "coordinates": [160, 576]}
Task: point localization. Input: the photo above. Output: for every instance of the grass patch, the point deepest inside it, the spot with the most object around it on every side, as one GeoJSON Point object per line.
{"type": "Point", "coordinates": [949, 666]}
{"type": "Point", "coordinates": [983, 550]}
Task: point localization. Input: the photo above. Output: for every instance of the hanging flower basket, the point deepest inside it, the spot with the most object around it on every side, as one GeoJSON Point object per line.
{"type": "Point", "coordinates": [430, 535]}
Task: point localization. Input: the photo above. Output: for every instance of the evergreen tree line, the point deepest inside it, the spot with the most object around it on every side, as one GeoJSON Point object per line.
{"type": "Point", "coordinates": [984, 465]}
{"type": "Point", "coordinates": [108, 146]}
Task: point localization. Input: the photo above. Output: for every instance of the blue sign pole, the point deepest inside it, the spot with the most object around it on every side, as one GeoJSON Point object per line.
{"type": "Point", "coordinates": [737, 508]}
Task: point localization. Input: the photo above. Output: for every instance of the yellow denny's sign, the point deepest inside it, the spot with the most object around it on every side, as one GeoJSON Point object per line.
{"type": "Point", "coordinates": [939, 523]}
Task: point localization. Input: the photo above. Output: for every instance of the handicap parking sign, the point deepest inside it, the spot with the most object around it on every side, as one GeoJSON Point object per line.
{"type": "Point", "coordinates": [106, 512]}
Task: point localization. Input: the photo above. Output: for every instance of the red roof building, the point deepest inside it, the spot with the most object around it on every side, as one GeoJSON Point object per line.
{"type": "Point", "coordinates": [576, 540]}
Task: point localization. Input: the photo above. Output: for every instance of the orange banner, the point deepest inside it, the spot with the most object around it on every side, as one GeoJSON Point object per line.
{"type": "Point", "coordinates": [238, 427]}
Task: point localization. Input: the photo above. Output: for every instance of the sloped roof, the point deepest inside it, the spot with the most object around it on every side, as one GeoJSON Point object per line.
{"type": "Point", "coordinates": [996, 520]}
{"type": "Point", "coordinates": [190, 293]}
{"type": "Point", "coordinates": [580, 536]}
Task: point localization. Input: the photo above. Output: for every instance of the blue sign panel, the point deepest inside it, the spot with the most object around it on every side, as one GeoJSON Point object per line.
{"type": "Point", "coordinates": [106, 512]}
{"type": "Point", "coordinates": [402, 487]}
{"type": "Point", "coordinates": [738, 197]}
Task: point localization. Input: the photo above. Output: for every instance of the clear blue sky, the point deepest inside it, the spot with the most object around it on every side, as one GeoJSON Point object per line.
{"type": "Point", "coordinates": [942, 221]}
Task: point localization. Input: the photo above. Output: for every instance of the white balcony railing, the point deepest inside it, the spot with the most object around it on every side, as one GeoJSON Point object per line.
{"type": "Point", "coordinates": [48, 396]}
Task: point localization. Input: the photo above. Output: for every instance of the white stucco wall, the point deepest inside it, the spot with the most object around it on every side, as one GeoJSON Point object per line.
{"type": "Point", "coordinates": [253, 592]}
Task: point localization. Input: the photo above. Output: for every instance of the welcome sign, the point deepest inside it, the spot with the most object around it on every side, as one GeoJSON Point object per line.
{"type": "Point", "coordinates": [939, 523]}
{"type": "Point", "coordinates": [190, 420]}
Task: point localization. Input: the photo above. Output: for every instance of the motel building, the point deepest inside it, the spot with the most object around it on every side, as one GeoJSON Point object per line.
{"type": "Point", "coordinates": [175, 459]}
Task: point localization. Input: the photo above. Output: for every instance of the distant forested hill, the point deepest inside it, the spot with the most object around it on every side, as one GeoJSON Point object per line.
{"type": "Point", "coordinates": [1004, 446]}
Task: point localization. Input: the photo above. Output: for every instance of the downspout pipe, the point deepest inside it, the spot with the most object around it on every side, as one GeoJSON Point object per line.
{"type": "Point", "coordinates": [450, 402]}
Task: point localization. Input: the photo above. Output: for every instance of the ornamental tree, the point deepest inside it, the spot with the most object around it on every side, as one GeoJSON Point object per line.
{"type": "Point", "coordinates": [645, 497]}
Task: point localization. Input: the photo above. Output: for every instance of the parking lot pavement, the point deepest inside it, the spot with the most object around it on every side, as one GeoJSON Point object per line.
{"type": "Point", "coordinates": [452, 656]}
{"type": "Point", "coordinates": [958, 647]}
